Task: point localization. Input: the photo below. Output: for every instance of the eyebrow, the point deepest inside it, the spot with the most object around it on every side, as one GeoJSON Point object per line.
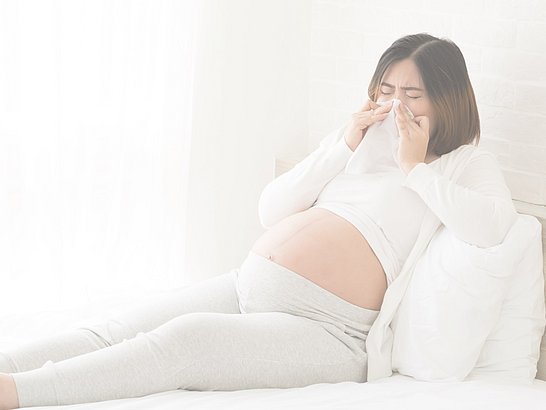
{"type": "Point", "coordinates": [403, 88]}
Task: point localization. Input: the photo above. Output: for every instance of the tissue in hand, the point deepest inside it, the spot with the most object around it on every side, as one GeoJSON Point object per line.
{"type": "Point", "coordinates": [378, 150]}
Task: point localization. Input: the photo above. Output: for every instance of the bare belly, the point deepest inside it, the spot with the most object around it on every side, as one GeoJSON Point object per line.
{"type": "Point", "coordinates": [329, 251]}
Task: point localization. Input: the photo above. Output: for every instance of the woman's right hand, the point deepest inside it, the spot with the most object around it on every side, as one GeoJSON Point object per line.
{"type": "Point", "coordinates": [370, 113]}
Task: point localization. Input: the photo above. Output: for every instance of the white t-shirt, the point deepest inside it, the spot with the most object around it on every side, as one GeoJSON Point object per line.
{"type": "Point", "coordinates": [388, 207]}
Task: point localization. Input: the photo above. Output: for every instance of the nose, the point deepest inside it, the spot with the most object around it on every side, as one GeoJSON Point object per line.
{"type": "Point", "coordinates": [397, 94]}
{"type": "Point", "coordinates": [400, 95]}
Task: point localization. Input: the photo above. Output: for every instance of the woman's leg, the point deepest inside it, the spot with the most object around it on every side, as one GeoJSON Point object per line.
{"type": "Point", "coordinates": [201, 351]}
{"type": "Point", "coordinates": [217, 294]}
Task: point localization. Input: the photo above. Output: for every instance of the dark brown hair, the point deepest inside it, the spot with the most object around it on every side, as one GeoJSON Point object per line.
{"type": "Point", "coordinates": [445, 77]}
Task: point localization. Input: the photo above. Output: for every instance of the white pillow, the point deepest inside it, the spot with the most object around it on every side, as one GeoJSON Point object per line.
{"type": "Point", "coordinates": [454, 303]}
{"type": "Point", "coordinates": [512, 349]}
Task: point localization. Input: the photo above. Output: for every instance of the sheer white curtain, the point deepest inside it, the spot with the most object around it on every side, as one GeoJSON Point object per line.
{"type": "Point", "coordinates": [95, 120]}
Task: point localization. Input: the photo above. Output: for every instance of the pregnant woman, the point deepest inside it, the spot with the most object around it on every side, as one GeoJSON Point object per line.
{"type": "Point", "coordinates": [299, 308]}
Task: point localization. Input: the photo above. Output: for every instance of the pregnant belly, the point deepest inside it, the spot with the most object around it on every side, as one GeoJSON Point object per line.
{"type": "Point", "coordinates": [329, 251]}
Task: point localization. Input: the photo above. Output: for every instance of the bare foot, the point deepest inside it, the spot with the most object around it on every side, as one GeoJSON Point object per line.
{"type": "Point", "coordinates": [8, 393]}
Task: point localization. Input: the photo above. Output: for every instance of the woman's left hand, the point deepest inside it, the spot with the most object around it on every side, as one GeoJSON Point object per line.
{"type": "Point", "coordinates": [414, 136]}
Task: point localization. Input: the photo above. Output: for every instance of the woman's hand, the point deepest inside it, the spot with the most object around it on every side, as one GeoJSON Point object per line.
{"type": "Point", "coordinates": [414, 136]}
{"type": "Point", "coordinates": [361, 120]}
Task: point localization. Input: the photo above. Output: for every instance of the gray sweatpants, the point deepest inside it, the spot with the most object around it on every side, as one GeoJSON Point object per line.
{"type": "Point", "coordinates": [257, 326]}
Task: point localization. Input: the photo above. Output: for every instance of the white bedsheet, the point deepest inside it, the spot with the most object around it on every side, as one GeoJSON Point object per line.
{"type": "Point", "coordinates": [396, 392]}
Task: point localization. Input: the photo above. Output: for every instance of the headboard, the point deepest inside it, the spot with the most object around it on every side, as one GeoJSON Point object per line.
{"type": "Point", "coordinates": [539, 212]}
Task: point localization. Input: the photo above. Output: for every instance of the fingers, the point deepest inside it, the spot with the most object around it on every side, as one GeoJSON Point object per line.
{"type": "Point", "coordinates": [379, 113]}
{"type": "Point", "coordinates": [367, 118]}
{"type": "Point", "coordinates": [401, 119]}
{"type": "Point", "coordinates": [405, 122]}
{"type": "Point", "coordinates": [423, 123]}
{"type": "Point", "coordinates": [403, 115]}
{"type": "Point", "coordinates": [372, 105]}
{"type": "Point", "coordinates": [380, 109]}
{"type": "Point", "coordinates": [370, 113]}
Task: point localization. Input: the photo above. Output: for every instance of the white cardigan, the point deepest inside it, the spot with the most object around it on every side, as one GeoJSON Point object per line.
{"type": "Point", "coordinates": [480, 194]}
{"type": "Point", "coordinates": [468, 195]}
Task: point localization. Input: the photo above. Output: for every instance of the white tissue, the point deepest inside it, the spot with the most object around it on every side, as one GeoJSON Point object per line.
{"type": "Point", "coordinates": [378, 151]}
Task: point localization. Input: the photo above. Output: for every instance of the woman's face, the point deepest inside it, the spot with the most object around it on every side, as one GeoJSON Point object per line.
{"type": "Point", "coordinates": [402, 80]}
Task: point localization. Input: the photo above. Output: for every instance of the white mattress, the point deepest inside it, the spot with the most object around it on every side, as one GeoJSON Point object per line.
{"type": "Point", "coordinates": [396, 392]}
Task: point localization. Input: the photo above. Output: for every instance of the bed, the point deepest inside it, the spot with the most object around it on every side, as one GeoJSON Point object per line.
{"type": "Point", "coordinates": [397, 391]}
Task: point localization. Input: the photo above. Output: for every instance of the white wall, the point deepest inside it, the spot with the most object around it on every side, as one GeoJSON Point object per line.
{"type": "Point", "coordinates": [251, 99]}
{"type": "Point", "coordinates": [504, 43]}
{"type": "Point", "coordinates": [274, 77]}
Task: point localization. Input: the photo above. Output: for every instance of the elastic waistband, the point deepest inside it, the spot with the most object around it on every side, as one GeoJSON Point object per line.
{"type": "Point", "coordinates": [264, 285]}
